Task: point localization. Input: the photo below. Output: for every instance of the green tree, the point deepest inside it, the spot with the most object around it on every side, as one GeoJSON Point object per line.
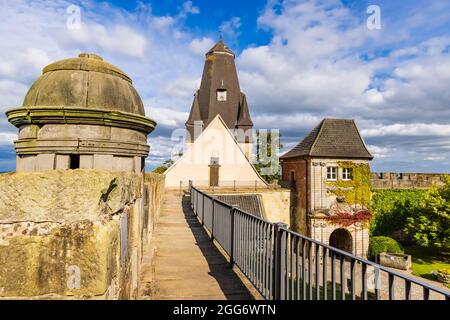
{"type": "Point", "coordinates": [166, 165]}
{"type": "Point", "coordinates": [391, 208]}
{"type": "Point", "coordinates": [429, 226]}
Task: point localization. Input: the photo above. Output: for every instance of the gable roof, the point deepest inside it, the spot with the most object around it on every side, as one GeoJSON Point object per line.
{"type": "Point", "coordinates": [334, 138]}
{"type": "Point", "coordinates": [230, 134]}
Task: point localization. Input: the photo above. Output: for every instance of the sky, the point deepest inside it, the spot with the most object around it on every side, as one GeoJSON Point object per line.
{"type": "Point", "coordinates": [298, 62]}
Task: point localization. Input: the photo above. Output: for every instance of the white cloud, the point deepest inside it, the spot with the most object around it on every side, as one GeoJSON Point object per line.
{"type": "Point", "coordinates": [323, 62]}
{"type": "Point", "coordinates": [230, 28]}
{"type": "Point", "coordinates": [188, 7]}
{"type": "Point", "coordinates": [320, 62]}
{"type": "Point", "coordinates": [109, 39]}
{"type": "Point", "coordinates": [168, 117]}
{"type": "Point", "coordinates": [434, 158]}
{"type": "Point", "coordinates": [201, 45]}
{"type": "Point", "coordinates": [379, 152]}
{"type": "Point", "coordinates": [412, 129]}
{"type": "Point", "coordinates": [7, 138]}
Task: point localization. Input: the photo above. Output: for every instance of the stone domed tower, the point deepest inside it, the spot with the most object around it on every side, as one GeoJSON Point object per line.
{"type": "Point", "coordinates": [81, 113]}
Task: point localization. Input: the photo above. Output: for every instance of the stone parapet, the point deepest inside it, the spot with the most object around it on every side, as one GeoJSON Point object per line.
{"type": "Point", "coordinates": [392, 180]}
{"type": "Point", "coordinates": [74, 234]}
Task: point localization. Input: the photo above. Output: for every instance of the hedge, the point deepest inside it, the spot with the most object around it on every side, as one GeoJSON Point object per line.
{"type": "Point", "coordinates": [381, 244]}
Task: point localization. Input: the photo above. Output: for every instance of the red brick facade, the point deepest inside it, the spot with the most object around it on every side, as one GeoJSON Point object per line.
{"type": "Point", "coordinates": [299, 199]}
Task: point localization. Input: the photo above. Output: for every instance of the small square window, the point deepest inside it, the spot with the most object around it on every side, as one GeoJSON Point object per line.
{"type": "Point", "coordinates": [347, 174]}
{"type": "Point", "coordinates": [221, 95]}
{"type": "Point", "coordinates": [214, 161]}
{"type": "Point", "coordinates": [332, 173]}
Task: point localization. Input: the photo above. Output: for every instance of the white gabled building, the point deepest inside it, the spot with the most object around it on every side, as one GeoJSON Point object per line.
{"type": "Point", "coordinates": [214, 159]}
{"type": "Point", "coordinates": [219, 130]}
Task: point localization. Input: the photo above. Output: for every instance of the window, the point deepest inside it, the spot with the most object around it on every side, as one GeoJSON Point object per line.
{"type": "Point", "coordinates": [214, 160]}
{"type": "Point", "coordinates": [221, 95]}
{"type": "Point", "coordinates": [347, 174]}
{"type": "Point", "coordinates": [74, 161]}
{"type": "Point", "coordinates": [332, 173]}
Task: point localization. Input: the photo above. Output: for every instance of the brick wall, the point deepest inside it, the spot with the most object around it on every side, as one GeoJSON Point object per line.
{"type": "Point", "coordinates": [299, 198]}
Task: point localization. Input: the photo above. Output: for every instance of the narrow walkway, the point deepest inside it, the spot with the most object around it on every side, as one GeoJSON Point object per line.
{"type": "Point", "coordinates": [186, 264]}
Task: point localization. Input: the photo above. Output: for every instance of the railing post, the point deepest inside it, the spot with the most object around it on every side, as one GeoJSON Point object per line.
{"type": "Point", "coordinates": [232, 213]}
{"type": "Point", "coordinates": [203, 209]}
{"type": "Point", "coordinates": [279, 270]}
{"type": "Point", "coordinates": [212, 218]}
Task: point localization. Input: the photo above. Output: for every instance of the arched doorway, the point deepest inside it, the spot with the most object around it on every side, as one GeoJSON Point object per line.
{"type": "Point", "coordinates": [342, 239]}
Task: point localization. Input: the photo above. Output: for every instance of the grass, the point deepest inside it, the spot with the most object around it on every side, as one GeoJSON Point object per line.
{"type": "Point", "coordinates": [427, 260]}
{"type": "Point", "coordinates": [370, 295]}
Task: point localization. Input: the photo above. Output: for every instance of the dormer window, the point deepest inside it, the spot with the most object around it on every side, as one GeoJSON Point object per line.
{"type": "Point", "coordinates": [214, 161]}
{"type": "Point", "coordinates": [221, 95]}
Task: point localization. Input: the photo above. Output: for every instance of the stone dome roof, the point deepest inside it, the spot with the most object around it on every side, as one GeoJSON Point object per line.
{"type": "Point", "coordinates": [84, 82]}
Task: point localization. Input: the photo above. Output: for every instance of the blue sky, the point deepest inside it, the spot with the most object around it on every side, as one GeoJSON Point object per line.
{"type": "Point", "coordinates": [298, 62]}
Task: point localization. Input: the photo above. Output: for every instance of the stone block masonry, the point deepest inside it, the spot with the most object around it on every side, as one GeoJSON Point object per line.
{"type": "Point", "coordinates": [391, 180]}
{"type": "Point", "coordinates": [75, 234]}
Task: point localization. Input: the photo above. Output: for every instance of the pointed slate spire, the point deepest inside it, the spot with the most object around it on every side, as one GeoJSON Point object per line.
{"type": "Point", "coordinates": [194, 116]}
{"type": "Point", "coordinates": [244, 119]}
{"type": "Point", "coordinates": [220, 92]}
{"type": "Point", "coordinates": [220, 46]}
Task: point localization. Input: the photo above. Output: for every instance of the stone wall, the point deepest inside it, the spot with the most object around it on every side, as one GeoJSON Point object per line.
{"type": "Point", "coordinates": [154, 197]}
{"type": "Point", "coordinates": [277, 203]}
{"type": "Point", "coordinates": [74, 234]}
{"type": "Point", "coordinates": [390, 180]}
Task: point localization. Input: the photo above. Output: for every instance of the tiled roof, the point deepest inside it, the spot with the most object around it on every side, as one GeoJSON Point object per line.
{"type": "Point", "coordinates": [334, 138]}
{"type": "Point", "coordinates": [219, 74]}
{"type": "Point", "coordinates": [250, 203]}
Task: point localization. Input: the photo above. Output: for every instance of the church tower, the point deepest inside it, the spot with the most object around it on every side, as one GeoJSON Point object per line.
{"type": "Point", "coordinates": [220, 94]}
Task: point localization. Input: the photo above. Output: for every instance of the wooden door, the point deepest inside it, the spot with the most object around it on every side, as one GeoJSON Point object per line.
{"type": "Point", "coordinates": [214, 175]}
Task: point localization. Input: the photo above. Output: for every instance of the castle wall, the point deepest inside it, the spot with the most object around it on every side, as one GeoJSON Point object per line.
{"type": "Point", "coordinates": [73, 234]}
{"type": "Point", "coordinates": [390, 180]}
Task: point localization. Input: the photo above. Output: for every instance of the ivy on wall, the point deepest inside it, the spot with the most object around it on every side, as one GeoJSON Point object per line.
{"type": "Point", "coordinates": [357, 190]}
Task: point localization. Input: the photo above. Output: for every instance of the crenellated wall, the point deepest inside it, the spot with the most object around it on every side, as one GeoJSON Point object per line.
{"type": "Point", "coordinates": [391, 180]}
{"type": "Point", "coordinates": [75, 234]}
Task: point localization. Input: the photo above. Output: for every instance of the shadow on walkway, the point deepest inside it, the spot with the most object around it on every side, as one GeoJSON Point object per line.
{"type": "Point", "coordinates": [231, 285]}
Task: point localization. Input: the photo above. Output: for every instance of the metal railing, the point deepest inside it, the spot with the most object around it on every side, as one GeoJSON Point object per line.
{"type": "Point", "coordinates": [284, 265]}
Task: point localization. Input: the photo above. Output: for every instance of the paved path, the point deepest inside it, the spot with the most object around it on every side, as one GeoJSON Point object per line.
{"type": "Point", "coordinates": [186, 264]}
